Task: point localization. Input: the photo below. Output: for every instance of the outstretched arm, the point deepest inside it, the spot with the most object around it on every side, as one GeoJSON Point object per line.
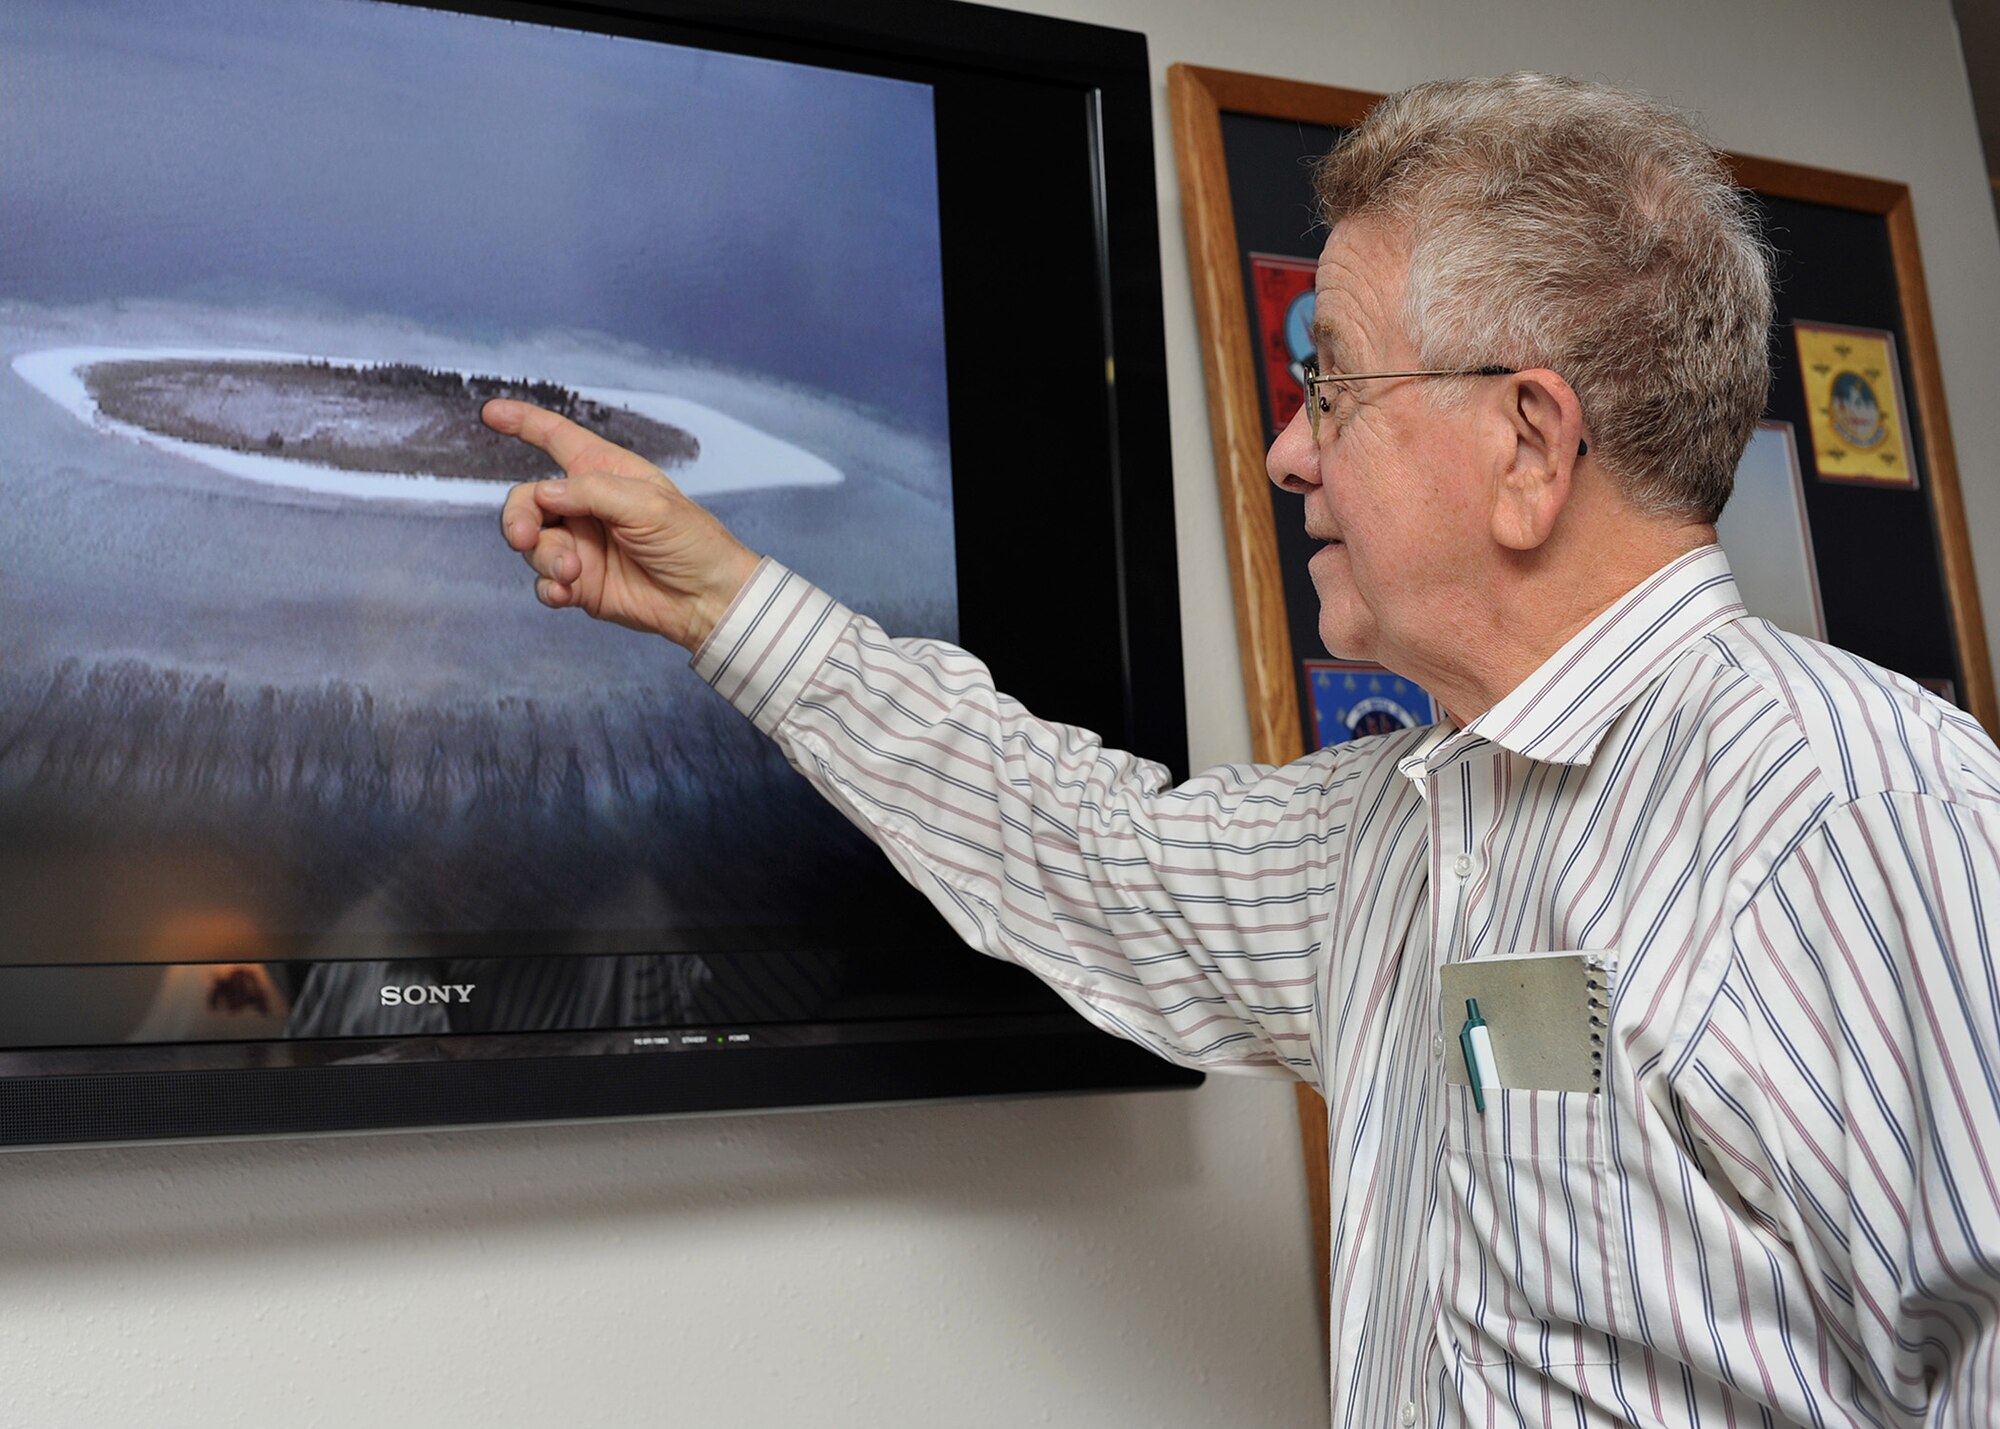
{"type": "Point", "coordinates": [614, 536]}
{"type": "Point", "coordinates": [1185, 919]}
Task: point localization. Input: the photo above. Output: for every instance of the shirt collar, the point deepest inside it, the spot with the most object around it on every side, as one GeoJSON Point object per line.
{"type": "Point", "coordinates": [1561, 712]}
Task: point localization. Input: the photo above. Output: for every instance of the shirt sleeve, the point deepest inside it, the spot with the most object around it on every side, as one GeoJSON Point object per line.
{"type": "Point", "coordinates": [1186, 919]}
{"type": "Point", "coordinates": [1846, 1085]}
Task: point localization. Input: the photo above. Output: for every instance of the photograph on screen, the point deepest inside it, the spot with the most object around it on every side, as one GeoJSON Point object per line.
{"type": "Point", "coordinates": [1766, 535]}
{"type": "Point", "coordinates": [265, 661]}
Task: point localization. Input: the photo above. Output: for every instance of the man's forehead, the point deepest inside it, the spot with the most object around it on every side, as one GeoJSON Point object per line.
{"type": "Point", "coordinates": [1331, 304]}
{"type": "Point", "coordinates": [1337, 329]}
{"type": "Point", "coordinates": [1356, 285]}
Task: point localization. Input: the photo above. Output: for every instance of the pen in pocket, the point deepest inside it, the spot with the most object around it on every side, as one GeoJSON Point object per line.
{"type": "Point", "coordinates": [1477, 1044]}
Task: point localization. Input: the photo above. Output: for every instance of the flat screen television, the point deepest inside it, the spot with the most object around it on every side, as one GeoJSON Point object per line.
{"type": "Point", "coordinates": [311, 819]}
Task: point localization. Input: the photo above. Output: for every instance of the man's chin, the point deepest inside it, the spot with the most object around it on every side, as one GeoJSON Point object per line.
{"type": "Point", "coordinates": [1344, 641]}
{"type": "Point", "coordinates": [1346, 624]}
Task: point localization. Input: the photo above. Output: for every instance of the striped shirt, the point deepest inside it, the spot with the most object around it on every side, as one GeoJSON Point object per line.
{"type": "Point", "coordinates": [1783, 1206]}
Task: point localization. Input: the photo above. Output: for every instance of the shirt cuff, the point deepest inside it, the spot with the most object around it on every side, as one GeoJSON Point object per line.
{"type": "Point", "coordinates": [770, 642]}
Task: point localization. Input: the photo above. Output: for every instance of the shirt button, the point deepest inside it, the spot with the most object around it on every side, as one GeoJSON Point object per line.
{"type": "Point", "coordinates": [1409, 1415]}
{"type": "Point", "coordinates": [1437, 1046]}
{"type": "Point", "coordinates": [1462, 865]}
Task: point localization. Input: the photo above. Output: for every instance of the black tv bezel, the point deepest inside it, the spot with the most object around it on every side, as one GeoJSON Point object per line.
{"type": "Point", "coordinates": [1096, 532]}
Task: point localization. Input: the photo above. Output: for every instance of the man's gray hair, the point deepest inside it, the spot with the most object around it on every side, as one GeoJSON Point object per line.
{"type": "Point", "coordinates": [1575, 227]}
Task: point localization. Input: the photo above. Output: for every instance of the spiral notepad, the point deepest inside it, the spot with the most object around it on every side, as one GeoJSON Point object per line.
{"type": "Point", "coordinates": [1547, 1014]}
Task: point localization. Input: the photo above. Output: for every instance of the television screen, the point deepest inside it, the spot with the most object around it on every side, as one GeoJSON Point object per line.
{"type": "Point", "coordinates": [296, 776]}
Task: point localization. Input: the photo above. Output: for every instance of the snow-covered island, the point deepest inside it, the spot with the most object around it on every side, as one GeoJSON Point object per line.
{"type": "Point", "coordinates": [395, 418]}
{"type": "Point", "coordinates": [394, 430]}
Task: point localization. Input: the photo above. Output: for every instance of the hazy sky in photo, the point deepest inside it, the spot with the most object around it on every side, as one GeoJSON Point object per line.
{"type": "Point", "coordinates": [481, 177]}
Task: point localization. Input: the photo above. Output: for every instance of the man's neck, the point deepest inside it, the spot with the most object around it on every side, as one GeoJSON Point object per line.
{"type": "Point", "coordinates": [1538, 604]}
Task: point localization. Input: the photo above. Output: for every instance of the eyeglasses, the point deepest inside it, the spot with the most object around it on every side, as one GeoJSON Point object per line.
{"type": "Point", "coordinates": [1315, 379]}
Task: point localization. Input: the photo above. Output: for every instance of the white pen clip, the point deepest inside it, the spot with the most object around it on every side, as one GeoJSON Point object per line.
{"type": "Point", "coordinates": [1477, 1044]}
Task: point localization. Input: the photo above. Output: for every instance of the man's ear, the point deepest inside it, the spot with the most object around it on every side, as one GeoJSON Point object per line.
{"type": "Point", "coordinates": [1540, 428]}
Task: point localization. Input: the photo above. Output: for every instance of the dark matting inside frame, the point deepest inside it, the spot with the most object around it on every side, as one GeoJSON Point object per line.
{"type": "Point", "coordinates": [1881, 571]}
{"type": "Point", "coordinates": [1890, 559]}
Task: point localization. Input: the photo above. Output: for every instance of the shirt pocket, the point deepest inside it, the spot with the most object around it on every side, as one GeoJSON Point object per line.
{"type": "Point", "coordinates": [1533, 1260]}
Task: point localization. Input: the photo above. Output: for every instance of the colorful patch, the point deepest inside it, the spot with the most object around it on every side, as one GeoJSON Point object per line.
{"type": "Point", "coordinates": [1284, 289]}
{"type": "Point", "coordinates": [1854, 398]}
{"type": "Point", "coordinates": [1352, 701]}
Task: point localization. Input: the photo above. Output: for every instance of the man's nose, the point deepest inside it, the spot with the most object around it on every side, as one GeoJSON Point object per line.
{"type": "Point", "coordinates": [1293, 460]}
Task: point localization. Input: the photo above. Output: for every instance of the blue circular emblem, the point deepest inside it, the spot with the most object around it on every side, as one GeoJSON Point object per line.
{"type": "Point", "coordinates": [1298, 327]}
{"type": "Point", "coordinates": [1377, 714]}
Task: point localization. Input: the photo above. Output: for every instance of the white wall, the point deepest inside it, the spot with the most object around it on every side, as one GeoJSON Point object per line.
{"type": "Point", "coordinates": [1104, 1261]}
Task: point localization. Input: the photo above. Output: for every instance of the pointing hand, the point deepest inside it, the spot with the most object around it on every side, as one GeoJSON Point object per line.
{"type": "Point", "coordinates": [614, 536]}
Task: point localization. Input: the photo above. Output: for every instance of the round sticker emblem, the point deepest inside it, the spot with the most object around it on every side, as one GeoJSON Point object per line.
{"type": "Point", "coordinates": [1377, 715]}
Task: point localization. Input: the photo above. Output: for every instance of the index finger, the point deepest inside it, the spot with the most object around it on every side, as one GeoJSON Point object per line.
{"type": "Point", "coordinates": [571, 447]}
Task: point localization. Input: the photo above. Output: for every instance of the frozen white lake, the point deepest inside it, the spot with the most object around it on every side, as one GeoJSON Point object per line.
{"type": "Point", "coordinates": [734, 456]}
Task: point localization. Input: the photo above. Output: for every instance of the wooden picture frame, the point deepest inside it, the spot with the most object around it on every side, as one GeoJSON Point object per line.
{"type": "Point", "coordinates": [1848, 221]}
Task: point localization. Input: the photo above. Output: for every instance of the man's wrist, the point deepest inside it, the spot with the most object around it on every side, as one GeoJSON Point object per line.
{"type": "Point", "coordinates": [706, 611]}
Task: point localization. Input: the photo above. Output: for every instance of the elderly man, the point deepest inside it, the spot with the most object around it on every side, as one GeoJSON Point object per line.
{"type": "Point", "coordinates": [1541, 324]}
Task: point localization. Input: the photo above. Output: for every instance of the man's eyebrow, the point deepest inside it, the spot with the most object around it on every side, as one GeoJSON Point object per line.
{"type": "Point", "coordinates": [1326, 339]}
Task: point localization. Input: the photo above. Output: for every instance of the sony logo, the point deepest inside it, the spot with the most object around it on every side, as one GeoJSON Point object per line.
{"type": "Point", "coordinates": [416, 993]}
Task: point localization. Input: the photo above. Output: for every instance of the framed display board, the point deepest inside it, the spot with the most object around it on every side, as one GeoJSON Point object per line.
{"type": "Point", "coordinates": [1846, 525]}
